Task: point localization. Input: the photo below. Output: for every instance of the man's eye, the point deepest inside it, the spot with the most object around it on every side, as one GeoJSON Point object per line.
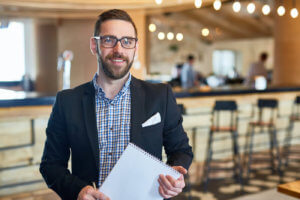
{"type": "Point", "coordinates": [127, 41]}
{"type": "Point", "coordinates": [107, 40]}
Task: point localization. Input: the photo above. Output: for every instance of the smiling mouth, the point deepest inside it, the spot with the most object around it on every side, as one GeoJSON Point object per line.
{"type": "Point", "coordinates": [117, 60]}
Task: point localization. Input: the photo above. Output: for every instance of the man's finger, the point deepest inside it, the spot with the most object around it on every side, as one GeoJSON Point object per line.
{"type": "Point", "coordinates": [165, 182]}
{"type": "Point", "coordinates": [162, 193]}
{"type": "Point", "coordinates": [167, 186]}
{"type": "Point", "coordinates": [179, 183]}
{"type": "Point", "coordinates": [180, 169]}
{"type": "Point", "coordinates": [99, 195]}
{"type": "Point", "coordinates": [168, 193]}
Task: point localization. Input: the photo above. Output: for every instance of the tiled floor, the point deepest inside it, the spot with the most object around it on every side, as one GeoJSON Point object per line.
{"type": "Point", "coordinates": [259, 183]}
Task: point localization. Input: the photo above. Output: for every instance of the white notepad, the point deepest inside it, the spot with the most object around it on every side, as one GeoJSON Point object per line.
{"type": "Point", "coordinates": [135, 176]}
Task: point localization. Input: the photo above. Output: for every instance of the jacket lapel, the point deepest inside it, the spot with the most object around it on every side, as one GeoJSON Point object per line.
{"type": "Point", "coordinates": [137, 111]}
{"type": "Point", "coordinates": [90, 120]}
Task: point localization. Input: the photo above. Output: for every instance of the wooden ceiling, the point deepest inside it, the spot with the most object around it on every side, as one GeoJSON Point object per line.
{"type": "Point", "coordinates": [173, 14]}
{"type": "Point", "coordinates": [223, 24]}
{"type": "Point", "coordinates": [87, 8]}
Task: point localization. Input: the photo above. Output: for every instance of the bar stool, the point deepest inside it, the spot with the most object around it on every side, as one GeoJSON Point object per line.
{"type": "Point", "coordinates": [263, 105]}
{"type": "Point", "coordinates": [223, 107]}
{"type": "Point", "coordinates": [295, 117]}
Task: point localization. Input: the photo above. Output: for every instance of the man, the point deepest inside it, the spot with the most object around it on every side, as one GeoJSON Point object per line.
{"type": "Point", "coordinates": [95, 121]}
{"type": "Point", "coordinates": [257, 69]}
{"type": "Point", "coordinates": [188, 76]}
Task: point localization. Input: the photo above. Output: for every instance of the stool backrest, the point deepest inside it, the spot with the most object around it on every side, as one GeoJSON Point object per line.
{"type": "Point", "coordinates": [296, 107]}
{"type": "Point", "coordinates": [267, 103]}
{"type": "Point", "coordinates": [224, 106]}
{"type": "Point", "coordinates": [297, 100]}
{"type": "Point", "coordinates": [271, 104]}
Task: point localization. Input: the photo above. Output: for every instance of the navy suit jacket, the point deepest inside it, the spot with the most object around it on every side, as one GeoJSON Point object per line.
{"type": "Point", "coordinates": [72, 130]}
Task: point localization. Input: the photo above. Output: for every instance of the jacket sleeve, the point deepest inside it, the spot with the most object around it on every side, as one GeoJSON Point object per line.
{"type": "Point", "coordinates": [176, 142]}
{"type": "Point", "coordinates": [54, 164]}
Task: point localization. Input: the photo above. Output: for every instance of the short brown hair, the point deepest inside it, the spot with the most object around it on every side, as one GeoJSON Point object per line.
{"type": "Point", "coordinates": [112, 14]}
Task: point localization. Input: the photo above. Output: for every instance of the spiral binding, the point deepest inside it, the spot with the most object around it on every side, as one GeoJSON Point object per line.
{"type": "Point", "coordinates": [152, 157]}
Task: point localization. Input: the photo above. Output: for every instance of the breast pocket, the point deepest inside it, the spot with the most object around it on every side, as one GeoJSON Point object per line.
{"type": "Point", "coordinates": [153, 132]}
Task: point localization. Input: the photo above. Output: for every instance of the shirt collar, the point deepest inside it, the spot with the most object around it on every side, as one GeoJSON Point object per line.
{"type": "Point", "coordinates": [100, 92]}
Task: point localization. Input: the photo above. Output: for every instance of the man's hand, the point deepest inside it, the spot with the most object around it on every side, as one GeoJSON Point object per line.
{"type": "Point", "coordinates": [89, 193]}
{"type": "Point", "coordinates": [170, 187]}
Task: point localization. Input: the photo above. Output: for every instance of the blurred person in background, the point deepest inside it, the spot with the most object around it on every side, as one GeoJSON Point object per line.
{"type": "Point", "coordinates": [188, 76]}
{"type": "Point", "coordinates": [257, 69]}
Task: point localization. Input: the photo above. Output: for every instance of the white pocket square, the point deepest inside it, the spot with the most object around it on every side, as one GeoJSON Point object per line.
{"type": "Point", "coordinates": [155, 119]}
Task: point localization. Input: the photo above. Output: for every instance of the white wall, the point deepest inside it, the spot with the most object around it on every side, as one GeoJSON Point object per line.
{"type": "Point", "coordinates": [249, 51]}
{"type": "Point", "coordinates": [162, 59]}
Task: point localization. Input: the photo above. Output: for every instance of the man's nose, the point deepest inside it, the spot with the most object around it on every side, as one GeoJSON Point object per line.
{"type": "Point", "coordinates": [118, 47]}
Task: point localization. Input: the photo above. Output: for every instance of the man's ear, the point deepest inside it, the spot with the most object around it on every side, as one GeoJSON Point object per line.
{"type": "Point", "coordinates": [93, 46]}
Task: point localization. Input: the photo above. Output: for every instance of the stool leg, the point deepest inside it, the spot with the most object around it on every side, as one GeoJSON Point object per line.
{"type": "Point", "coordinates": [188, 186]}
{"type": "Point", "coordinates": [250, 153]}
{"type": "Point", "coordinates": [209, 154]}
{"type": "Point", "coordinates": [271, 149]}
{"type": "Point", "coordinates": [276, 146]}
{"type": "Point", "coordinates": [287, 142]}
{"type": "Point", "coordinates": [246, 147]}
{"type": "Point", "coordinates": [237, 158]}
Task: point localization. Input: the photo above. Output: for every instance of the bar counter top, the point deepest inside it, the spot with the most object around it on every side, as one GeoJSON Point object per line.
{"type": "Point", "coordinates": [9, 98]}
{"type": "Point", "coordinates": [228, 90]}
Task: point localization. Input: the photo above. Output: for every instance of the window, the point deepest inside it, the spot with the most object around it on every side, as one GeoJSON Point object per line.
{"type": "Point", "coordinates": [224, 62]}
{"type": "Point", "coordinates": [12, 52]}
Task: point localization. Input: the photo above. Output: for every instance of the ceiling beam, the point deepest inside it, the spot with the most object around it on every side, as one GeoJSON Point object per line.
{"type": "Point", "coordinates": [247, 23]}
{"type": "Point", "coordinates": [208, 20]}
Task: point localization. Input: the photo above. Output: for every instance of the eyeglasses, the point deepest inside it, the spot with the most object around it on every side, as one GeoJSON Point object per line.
{"type": "Point", "coordinates": [109, 41]}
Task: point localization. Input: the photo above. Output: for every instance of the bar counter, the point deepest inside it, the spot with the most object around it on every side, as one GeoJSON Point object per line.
{"type": "Point", "coordinates": [9, 98]}
{"type": "Point", "coordinates": [24, 117]}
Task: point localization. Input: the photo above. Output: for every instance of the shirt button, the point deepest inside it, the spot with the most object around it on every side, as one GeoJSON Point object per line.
{"type": "Point", "coordinates": [111, 128]}
{"type": "Point", "coordinates": [110, 153]}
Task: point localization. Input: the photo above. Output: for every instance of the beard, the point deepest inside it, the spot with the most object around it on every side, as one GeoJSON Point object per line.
{"type": "Point", "coordinates": [108, 68]}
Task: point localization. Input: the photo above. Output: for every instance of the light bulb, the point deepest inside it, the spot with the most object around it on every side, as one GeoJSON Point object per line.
{"type": "Point", "coordinates": [294, 13]}
{"type": "Point", "coordinates": [281, 10]}
{"type": "Point", "coordinates": [205, 32]}
{"type": "Point", "coordinates": [198, 3]}
{"type": "Point", "coordinates": [161, 36]}
{"type": "Point", "coordinates": [170, 36]}
{"type": "Point", "coordinates": [217, 4]}
{"type": "Point", "coordinates": [251, 8]}
{"type": "Point", "coordinates": [158, 2]}
{"type": "Point", "coordinates": [152, 27]}
{"type": "Point", "coordinates": [236, 6]}
{"type": "Point", "coordinates": [266, 9]}
{"type": "Point", "coordinates": [179, 36]}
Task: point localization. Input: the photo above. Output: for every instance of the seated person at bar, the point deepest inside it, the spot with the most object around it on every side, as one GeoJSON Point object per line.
{"type": "Point", "coordinates": [257, 69]}
{"type": "Point", "coordinates": [188, 75]}
{"type": "Point", "coordinates": [95, 121]}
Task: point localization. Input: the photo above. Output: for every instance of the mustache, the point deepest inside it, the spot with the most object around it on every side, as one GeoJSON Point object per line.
{"type": "Point", "coordinates": [116, 55]}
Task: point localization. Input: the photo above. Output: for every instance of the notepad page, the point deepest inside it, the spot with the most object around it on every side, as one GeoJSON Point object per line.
{"type": "Point", "coordinates": [135, 176]}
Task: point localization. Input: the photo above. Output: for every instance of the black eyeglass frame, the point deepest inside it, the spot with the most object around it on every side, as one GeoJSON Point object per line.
{"type": "Point", "coordinates": [117, 40]}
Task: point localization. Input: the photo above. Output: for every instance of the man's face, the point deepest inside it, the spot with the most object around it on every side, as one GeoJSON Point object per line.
{"type": "Point", "coordinates": [116, 61]}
